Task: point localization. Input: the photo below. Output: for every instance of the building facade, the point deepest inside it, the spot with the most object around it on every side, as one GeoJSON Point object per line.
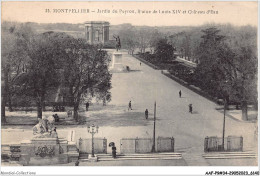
{"type": "Point", "coordinates": [96, 32]}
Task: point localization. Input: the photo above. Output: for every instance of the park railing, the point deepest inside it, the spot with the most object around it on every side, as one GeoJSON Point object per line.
{"type": "Point", "coordinates": [231, 143]}
{"type": "Point", "coordinates": [85, 145]}
{"type": "Point", "coordinates": [145, 145]}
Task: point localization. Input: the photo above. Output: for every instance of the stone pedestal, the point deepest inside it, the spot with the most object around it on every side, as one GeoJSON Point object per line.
{"type": "Point", "coordinates": [47, 151]}
{"type": "Point", "coordinates": [117, 65]}
{"type": "Point", "coordinates": [91, 158]}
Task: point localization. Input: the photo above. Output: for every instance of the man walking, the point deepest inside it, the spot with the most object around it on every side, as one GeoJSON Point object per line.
{"type": "Point", "coordinates": [129, 106]}
{"type": "Point", "coordinates": [146, 113]}
{"type": "Point", "coordinates": [190, 108]}
{"type": "Point", "coordinates": [87, 106]}
{"type": "Point", "coordinates": [180, 93]}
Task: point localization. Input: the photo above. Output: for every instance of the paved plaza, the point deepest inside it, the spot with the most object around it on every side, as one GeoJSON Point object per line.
{"type": "Point", "coordinates": [143, 86]}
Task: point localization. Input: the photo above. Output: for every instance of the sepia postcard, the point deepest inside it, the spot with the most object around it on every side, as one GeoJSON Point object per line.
{"type": "Point", "coordinates": [137, 83]}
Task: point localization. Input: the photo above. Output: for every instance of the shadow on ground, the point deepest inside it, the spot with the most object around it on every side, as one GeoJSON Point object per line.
{"type": "Point", "coordinates": [115, 116]}
{"type": "Point", "coordinates": [109, 115]}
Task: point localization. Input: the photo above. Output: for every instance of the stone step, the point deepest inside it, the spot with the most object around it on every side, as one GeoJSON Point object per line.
{"type": "Point", "coordinates": [141, 154]}
{"type": "Point", "coordinates": [158, 156]}
{"type": "Point", "coordinates": [127, 158]}
{"type": "Point", "coordinates": [230, 157]}
{"type": "Point", "coordinates": [237, 154]}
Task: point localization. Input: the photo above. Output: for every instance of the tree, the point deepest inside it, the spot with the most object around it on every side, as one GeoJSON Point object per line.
{"type": "Point", "coordinates": [154, 39]}
{"type": "Point", "coordinates": [128, 38]}
{"type": "Point", "coordinates": [228, 71]}
{"type": "Point", "coordinates": [143, 37]}
{"type": "Point", "coordinates": [44, 50]}
{"type": "Point", "coordinates": [208, 73]}
{"type": "Point", "coordinates": [163, 51]}
{"type": "Point", "coordinates": [186, 46]}
{"type": "Point", "coordinates": [14, 57]}
{"type": "Point", "coordinates": [86, 72]}
{"type": "Point", "coordinates": [242, 75]}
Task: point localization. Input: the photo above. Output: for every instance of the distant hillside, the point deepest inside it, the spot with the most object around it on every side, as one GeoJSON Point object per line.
{"type": "Point", "coordinates": [77, 30]}
{"type": "Point", "coordinates": [168, 30]}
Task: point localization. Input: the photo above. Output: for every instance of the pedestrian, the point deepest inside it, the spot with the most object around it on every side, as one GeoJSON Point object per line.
{"type": "Point", "coordinates": [146, 113]}
{"type": "Point", "coordinates": [114, 152]}
{"type": "Point", "coordinates": [112, 144]}
{"type": "Point", "coordinates": [140, 63]}
{"type": "Point", "coordinates": [77, 163]}
{"type": "Point", "coordinates": [190, 108]}
{"type": "Point", "coordinates": [180, 93]}
{"type": "Point", "coordinates": [130, 106]}
{"type": "Point", "coordinates": [87, 106]}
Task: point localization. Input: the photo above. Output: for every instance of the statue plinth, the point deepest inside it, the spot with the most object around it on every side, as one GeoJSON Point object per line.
{"type": "Point", "coordinates": [41, 151]}
{"type": "Point", "coordinates": [117, 65]}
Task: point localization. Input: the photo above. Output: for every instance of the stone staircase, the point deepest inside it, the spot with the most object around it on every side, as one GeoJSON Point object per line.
{"type": "Point", "coordinates": [149, 156]}
{"type": "Point", "coordinates": [200, 159]}
{"type": "Point", "coordinates": [230, 155]}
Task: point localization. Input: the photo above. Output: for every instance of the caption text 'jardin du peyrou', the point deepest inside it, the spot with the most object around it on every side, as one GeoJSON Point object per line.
{"type": "Point", "coordinates": [138, 11]}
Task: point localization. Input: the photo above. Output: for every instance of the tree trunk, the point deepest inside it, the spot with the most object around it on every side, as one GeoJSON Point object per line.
{"type": "Point", "coordinates": [43, 104]}
{"type": "Point", "coordinates": [7, 91]}
{"type": "Point", "coordinates": [3, 119]}
{"type": "Point", "coordinates": [75, 114]}
{"type": "Point", "coordinates": [227, 102]}
{"type": "Point", "coordinates": [76, 107]}
{"type": "Point", "coordinates": [39, 111]}
{"type": "Point", "coordinates": [255, 103]}
{"type": "Point", "coordinates": [10, 108]}
{"type": "Point", "coordinates": [244, 110]}
{"type": "Point", "coordinates": [4, 95]}
{"type": "Point", "coordinates": [39, 108]}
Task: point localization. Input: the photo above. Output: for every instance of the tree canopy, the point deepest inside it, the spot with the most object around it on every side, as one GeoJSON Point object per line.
{"type": "Point", "coordinates": [163, 50]}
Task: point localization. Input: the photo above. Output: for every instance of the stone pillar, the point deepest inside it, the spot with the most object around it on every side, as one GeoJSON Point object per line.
{"type": "Point", "coordinates": [104, 34]}
{"type": "Point", "coordinates": [90, 35]}
{"type": "Point", "coordinates": [87, 33]}
{"type": "Point", "coordinates": [107, 32]}
{"type": "Point", "coordinates": [71, 136]}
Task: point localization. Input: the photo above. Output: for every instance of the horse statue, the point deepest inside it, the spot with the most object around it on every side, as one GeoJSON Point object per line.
{"type": "Point", "coordinates": [118, 43]}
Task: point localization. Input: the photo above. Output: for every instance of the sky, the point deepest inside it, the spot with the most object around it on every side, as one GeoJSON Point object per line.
{"type": "Point", "coordinates": [178, 13]}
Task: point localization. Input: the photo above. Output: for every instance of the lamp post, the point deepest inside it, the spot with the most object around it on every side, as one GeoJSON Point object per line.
{"type": "Point", "coordinates": [153, 148]}
{"type": "Point", "coordinates": [224, 123]}
{"type": "Point", "coordinates": [93, 130]}
{"type": "Point", "coordinates": [224, 119]}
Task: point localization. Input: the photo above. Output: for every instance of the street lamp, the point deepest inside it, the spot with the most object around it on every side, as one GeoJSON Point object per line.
{"type": "Point", "coordinates": [93, 130]}
{"type": "Point", "coordinates": [224, 120]}
{"type": "Point", "coordinates": [154, 118]}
